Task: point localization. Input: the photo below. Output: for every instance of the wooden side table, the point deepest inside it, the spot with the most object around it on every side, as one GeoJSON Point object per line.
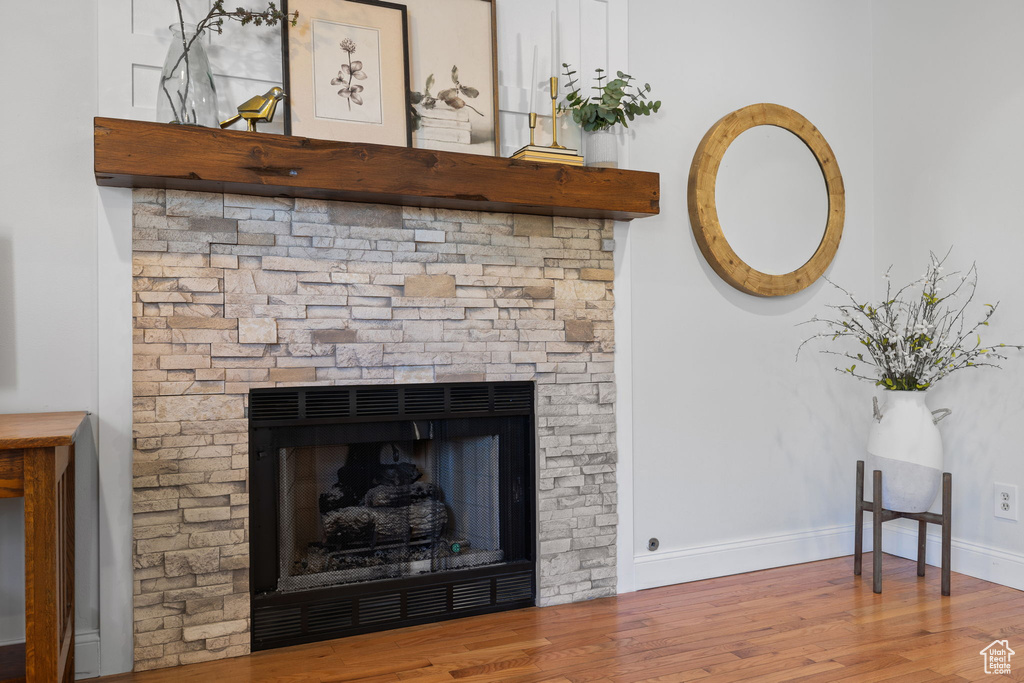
{"type": "Point", "coordinates": [37, 462]}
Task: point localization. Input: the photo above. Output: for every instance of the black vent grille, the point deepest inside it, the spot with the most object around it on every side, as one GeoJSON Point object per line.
{"type": "Point", "coordinates": [329, 617]}
{"type": "Point", "coordinates": [469, 595]}
{"type": "Point", "coordinates": [470, 398]}
{"type": "Point", "coordinates": [335, 616]}
{"type": "Point", "coordinates": [515, 588]}
{"type": "Point", "coordinates": [319, 405]}
{"type": "Point", "coordinates": [275, 406]}
{"type": "Point", "coordinates": [513, 397]}
{"type": "Point", "coordinates": [278, 623]}
{"type": "Point", "coordinates": [377, 401]}
{"type": "Point", "coordinates": [427, 601]}
{"type": "Point", "coordinates": [378, 608]}
{"type": "Point", "coordinates": [329, 402]}
{"type": "Point", "coordinates": [424, 400]}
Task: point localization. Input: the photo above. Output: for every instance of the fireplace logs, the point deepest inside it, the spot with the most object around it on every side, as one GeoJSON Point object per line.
{"type": "Point", "coordinates": [374, 504]}
{"type": "Point", "coordinates": [372, 525]}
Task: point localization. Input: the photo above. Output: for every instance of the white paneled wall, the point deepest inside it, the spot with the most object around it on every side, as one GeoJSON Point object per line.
{"type": "Point", "coordinates": [133, 40]}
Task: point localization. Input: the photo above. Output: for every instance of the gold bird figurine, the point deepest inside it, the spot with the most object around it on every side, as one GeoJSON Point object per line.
{"type": "Point", "coordinates": [257, 109]}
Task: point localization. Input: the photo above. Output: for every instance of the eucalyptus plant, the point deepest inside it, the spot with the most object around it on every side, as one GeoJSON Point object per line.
{"type": "Point", "coordinates": [616, 101]}
{"type": "Point", "coordinates": [915, 336]}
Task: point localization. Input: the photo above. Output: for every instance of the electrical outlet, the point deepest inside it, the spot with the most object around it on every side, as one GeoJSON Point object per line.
{"type": "Point", "coordinates": [1006, 501]}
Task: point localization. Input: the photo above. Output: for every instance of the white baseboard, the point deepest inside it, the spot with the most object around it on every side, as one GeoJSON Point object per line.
{"type": "Point", "coordinates": [693, 564]}
{"type": "Point", "coordinates": [980, 561]}
{"type": "Point", "coordinates": [87, 652]}
{"type": "Point", "coordinates": [723, 559]}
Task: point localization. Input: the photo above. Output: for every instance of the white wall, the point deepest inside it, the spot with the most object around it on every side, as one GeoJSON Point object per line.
{"type": "Point", "coordinates": [48, 273]}
{"type": "Point", "coordinates": [948, 145]}
{"type": "Point", "coordinates": [742, 458]}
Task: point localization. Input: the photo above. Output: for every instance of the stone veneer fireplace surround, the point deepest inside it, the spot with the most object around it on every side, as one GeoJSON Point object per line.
{"type": "Point", "coordinates": [238, 292]}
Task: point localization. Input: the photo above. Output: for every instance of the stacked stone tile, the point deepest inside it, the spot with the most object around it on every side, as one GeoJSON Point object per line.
{"type": "Point", "coordinates": [237, 292]}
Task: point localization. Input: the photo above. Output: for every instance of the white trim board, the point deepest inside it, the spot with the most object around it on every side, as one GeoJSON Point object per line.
{"type": "Point", "coordinates": [87, 652]}
{"type": "Point", "coordinates": [973, 559]}
{"type": "Point", "coordinates": [724, 559]}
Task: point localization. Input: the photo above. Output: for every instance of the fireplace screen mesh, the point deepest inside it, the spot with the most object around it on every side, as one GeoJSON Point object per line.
{"type": "Point", "coordinates": [387, 509]}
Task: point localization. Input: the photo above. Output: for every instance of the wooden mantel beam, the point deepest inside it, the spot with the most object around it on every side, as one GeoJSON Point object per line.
{"type": "Point", "coordinates": [159, 155]}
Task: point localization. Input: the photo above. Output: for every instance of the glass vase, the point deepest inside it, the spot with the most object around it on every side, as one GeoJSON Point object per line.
{"type": "Point", "coordinates": [186, 93]}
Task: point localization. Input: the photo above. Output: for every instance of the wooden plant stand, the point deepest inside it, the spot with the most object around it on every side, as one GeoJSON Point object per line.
{"type": "Point", "coordinates": [37, 462]}
{"type": "Point", "coordinates": [880, 515]}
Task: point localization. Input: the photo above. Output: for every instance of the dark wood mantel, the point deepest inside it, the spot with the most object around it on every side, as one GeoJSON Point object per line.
{"type": "Point", "coordinates": [159, 155]}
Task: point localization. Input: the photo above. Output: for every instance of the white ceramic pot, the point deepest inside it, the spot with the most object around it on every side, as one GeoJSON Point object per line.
{"type": "Point", "coordinates": [905, 444]}
{"type": "Point", "coordinates": [602, 148]}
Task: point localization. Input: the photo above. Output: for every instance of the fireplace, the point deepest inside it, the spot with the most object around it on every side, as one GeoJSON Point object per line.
{"type": "Point", "coordinates": [374, 507]}
{"type": "Point", "coordinates": [236, 294]}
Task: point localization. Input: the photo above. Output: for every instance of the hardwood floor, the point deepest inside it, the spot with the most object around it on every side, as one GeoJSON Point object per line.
{"type": "Point", "coordinates": [810, 622]}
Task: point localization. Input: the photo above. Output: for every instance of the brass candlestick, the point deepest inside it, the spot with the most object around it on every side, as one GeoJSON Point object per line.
{"type": "Point", "coordinates": [533, 126]}
{"type": "Point", "coordinates": [554, 113]}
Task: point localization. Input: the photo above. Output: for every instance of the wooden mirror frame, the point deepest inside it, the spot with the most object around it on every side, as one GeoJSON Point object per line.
{"type": "Point", "coordinates": [704, 212]}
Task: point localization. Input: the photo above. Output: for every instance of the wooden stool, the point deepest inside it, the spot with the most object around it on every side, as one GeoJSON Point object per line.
{"type": "Point", "coordinates": [37, 462]}
{"type": "Point", "coordinates": [880, 515]}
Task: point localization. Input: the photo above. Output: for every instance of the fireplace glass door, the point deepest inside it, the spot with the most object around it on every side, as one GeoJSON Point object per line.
{"type": "Point", "coordinates": [384, 510]}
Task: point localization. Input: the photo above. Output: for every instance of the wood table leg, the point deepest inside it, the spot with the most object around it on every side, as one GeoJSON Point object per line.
{"type": "Point", "coordinates": [922, 543]}
{"type": "Point", "coordinates": [42, 651]}
{"type": "Point", "coordinates": [858, 522]}
{"type": "Point", "coordinates": [876, 522]}
{"type": "Point", "coordinates": [947, 528]}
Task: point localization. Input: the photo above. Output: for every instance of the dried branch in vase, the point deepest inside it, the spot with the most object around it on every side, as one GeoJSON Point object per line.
{"type": "Point", "coordinates": [912, 339]}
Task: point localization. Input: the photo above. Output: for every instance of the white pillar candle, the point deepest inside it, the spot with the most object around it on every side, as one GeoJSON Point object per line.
{"type": "Point", "coordinates": [554, 40]}
{"type": "Point", "coordinates": [533, 79]}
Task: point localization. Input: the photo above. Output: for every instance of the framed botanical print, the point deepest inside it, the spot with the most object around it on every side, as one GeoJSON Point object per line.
{"type": "Point", "coordinates": [454, 69]}
{"type": "Point", "coordinates": [346, 71]}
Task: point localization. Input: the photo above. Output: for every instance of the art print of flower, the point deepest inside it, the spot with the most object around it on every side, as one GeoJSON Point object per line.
{"type": "Point", "coordinates": [352, 93]}
{"type": "Point", "coordinates": [354, 69]}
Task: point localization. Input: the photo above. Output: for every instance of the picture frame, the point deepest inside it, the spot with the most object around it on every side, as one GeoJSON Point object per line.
{"type": "Point", "coordinates": [456, 42]}
{"type": "Point", "coordinates": [346, 71]}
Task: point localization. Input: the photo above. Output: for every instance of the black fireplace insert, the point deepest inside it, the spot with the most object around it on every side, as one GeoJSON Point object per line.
{"type": "Point", "coordinates": [374, 507]}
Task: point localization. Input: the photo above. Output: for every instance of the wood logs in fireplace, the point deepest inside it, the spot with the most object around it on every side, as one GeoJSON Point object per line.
{"type": "Point", "coordinates": [373, 525]}
{"type": "Point", "coordinates": [374, 503]}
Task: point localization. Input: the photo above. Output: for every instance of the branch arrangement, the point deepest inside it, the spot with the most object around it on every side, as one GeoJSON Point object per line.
{"type": "Point", "coordinates": [214, 20]}
{"type": "Point", "coordinates": [914, 337]}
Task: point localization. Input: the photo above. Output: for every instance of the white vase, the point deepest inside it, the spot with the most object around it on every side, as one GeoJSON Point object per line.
{"type": "Point", "coordinates": [905, 445]}
{"type": "Point", "coordinates": [602, 148]}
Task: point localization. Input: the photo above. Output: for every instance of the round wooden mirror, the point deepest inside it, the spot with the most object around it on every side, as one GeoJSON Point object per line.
{"type": "Point", "coordinates": [704, 216]}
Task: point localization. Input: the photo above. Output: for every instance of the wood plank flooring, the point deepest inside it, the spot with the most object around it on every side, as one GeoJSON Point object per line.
{"type": "Point", "coordinates": [810, 622]}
